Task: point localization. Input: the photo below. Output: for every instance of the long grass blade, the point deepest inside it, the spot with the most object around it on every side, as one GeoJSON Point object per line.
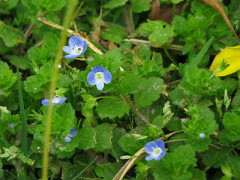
{"type": "Point", "coordinates": [22, 115]}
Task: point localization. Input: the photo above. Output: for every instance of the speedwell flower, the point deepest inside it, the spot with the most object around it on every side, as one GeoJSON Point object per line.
{"type": "Point", "coordinates": [72, 133]}
{"type": "Point", "coordinates": [76, 47]}
{"type": "Point", "coordinates": [155, 149]}
{"type": "Point", "coordinates": [98, 76]}
{"type": "Point", "coordinates": [56, 100]}
{"type": "Point", "coordinates": [226, 62]}
{"type": "Point", "coordinates": [11, 125]}
{"type": "Point", "coordinates": [202, 135]}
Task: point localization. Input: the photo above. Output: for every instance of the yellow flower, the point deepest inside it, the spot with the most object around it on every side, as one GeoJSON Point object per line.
{"type": "Point", "coordinates": [231, 57]}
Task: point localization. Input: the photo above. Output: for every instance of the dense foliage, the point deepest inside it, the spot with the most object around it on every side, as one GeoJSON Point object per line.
{"type": "Point", "coordinates": [158, 53]}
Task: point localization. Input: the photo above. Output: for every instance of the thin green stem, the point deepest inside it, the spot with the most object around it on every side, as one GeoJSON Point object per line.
{"type": "Point", "coordinates": [69, 14]}
{"type": "Point", "coordinates": [22, 115]}
{"type": "Point", "coordinates": [169, 56]}
{"type": "Point", "coordinates": [135, 109]}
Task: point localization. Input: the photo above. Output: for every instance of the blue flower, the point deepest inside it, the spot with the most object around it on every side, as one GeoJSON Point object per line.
{"type": "Point", "coordinates": [72, 133]}
{"type": "Point", "coordinates": [155, 149]}
{"type": "Point", "coordinates": [202, 135]}
{"type": "Point", "coordinates": [11, 125]}
{"type": "Point", "coordinates": [55, 100]}
{"type": "Point", "coordinates": [76, 47]}
{"type": "Point", "coordinates": [98, 76]}
{"type": "Point", "coordinates": [67, 139]}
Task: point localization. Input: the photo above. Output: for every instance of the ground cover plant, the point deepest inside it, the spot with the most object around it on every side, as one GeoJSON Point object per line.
{"type": "Point", "coordinates": [119, 89]}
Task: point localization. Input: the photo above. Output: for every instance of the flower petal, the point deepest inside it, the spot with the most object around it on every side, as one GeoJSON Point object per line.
{"type": "Point", "coordinates": [45, 102]}
{"type": "Point", "coordinates": [62, 100]}
{"type": "Point", "coordinates": [149, 157]}
{"type": "Point", "coordinates": [160, 156]}
{"type": "Point", "coordinates": [100, 84]}
{"type": "Point", "coordinates": [160, 144]}
{"type": "Point", "coordinates": [98, 69]}
{"type": "Point", "coordinates": [75, 41]}
{"type": "Point", "coordinates": [72, 56]}
{"type": "Point", "coordinates": [107, 76]}
{"type": "Point", "coordinates": [67, 49]}
{"type": "Point", "coordinates": [84, 46]}
{"type": "Point", "coordinates": [150, 147]}
{"type": "Point", "coordinates": [91, 78]}
{"type": "Point", "coordinates": [231, 55]}
{"type": "Point", "coordinates": [72, 133]}
{"type": "Point", "coordinates": [67, 139]}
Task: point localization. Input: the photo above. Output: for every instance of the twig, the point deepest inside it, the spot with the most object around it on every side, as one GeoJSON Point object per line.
{"type": "Point", "coordinates": [171, 46]}
{"type": "Point", "coordinates": [28, 31]}
{"type": "Point", "coordinates": [94, 48]}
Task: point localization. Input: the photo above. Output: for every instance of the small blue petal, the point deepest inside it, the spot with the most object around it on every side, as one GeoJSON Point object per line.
{"type": "Point", "coordinates": [84, 46]}
{"type": "Point", "coordinates": [45, 102]}
{"type": "Point", "coordinates": [75, 41]}
{"type": "Point", "coordinates": [67, 139]}
{"type": "Point", "coordinates": [107, 77]}
{"type": "Point", "coordinates": [91, 78]}
{"type": "Point", "coordinates": [67, 49]}
{"type": "Point", "coordinates": [98, 69]}
{"type": "Point", "coordinates": [72, 56]}
{"type": "Point", "coordinates": [62, 100]}
{"type": "Point", "coordinates": [72, 133]}
{"type": "Point", "coordinates": [149, 157]}
{"type": "Point", "coordinates": [149, 147]}
{"type": "Point", "coordinates": [99, 84]}
{"type": "Point", "coordinates": [160, 143]}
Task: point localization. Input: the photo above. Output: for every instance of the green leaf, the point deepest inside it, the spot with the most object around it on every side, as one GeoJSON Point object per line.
{"type": "Point", "coordinates": [50, 5]}
{"type": "Point", "coordinates": [158, 32]}
{"type": "Point", "coordinates": [200, 125]}
{"type": "Point", "coordinates": [103, 137]}
{"type": "Point", "coordinates": [116, 148]}
{"type": "Point", "coordinates": [10, 36]}
{"type": "Point", "coordinates": [63, 119]}
{"type": "Point", "coordinates": [21, 62]}
{"type": "Point", "coordinates": [139, 6]}
{"type": "Point", "coordinates": [231, 122]}
{"type": "Point", "coordinates": [150, 91]}
{"type": "Point", "coordinates": [226, 170]}
{"type": "Point", "coordinates": [114, 33]}
{"type": "Point", "coordinates": [112, 108]}
{"type": "Point", "coordinates": [86, 138]}
{"type": "Point", "coordinates": [132, 142]}
{"type": "Point", "coordinates": [130, 84]}
{"type": "Point", "coordinates": [36, 84]}
{"type": "Point", "coordinates": [114, 3]}
{"type": "Point", "coordinates": [14, 153]}
{"type": "Point", "coordinates": [107, 171]}
{"type": "Point", "coordinates": [7, 79]}
{"type": "Point", "coordinates": [198, 174]}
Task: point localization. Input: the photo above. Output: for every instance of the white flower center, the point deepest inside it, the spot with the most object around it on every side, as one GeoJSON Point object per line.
{"type": "Point", "coordinates": [157, 151]}
{"type": "Point", "coordinates": [99, 76]}
{"type": "Point", "coordinates": [76, 50]}
{"type": "Point", "coordinates": [55, 100]}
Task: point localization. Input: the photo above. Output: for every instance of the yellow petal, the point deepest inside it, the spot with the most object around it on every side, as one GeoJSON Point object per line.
{"type": "Point", "coordinates": [231, 55]}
